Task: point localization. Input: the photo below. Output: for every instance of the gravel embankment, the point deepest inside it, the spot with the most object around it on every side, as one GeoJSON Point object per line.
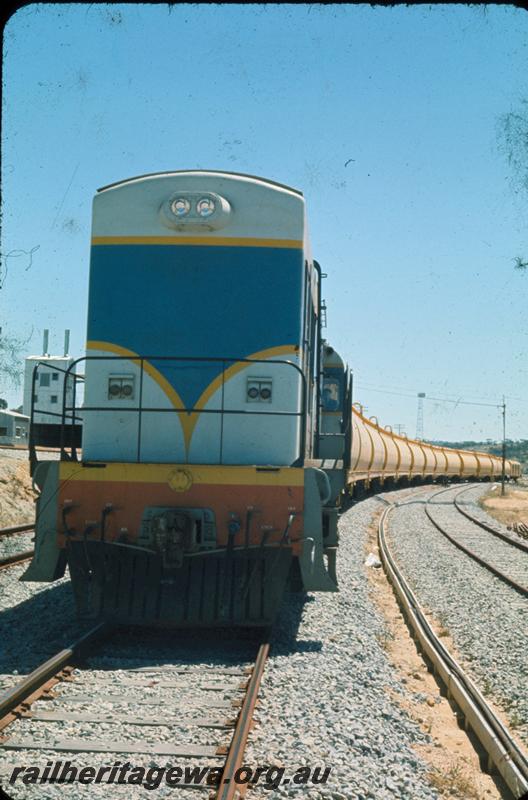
{"type": "Point", "coordinates": [17, 498]}
{"type": "Point", "coordinates": [485, 618]}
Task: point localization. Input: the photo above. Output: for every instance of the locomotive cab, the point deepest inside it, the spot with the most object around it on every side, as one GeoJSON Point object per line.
{"type": "Point", "coordinates": [333, 439]}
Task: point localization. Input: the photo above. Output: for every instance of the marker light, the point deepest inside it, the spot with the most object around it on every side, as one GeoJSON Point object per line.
{"type": "Point", "coordinates": [253, 392]}
{"type": "Point", "coordinates": [180, 207]}
{"type": "Point", "coordinates": [205, 207]}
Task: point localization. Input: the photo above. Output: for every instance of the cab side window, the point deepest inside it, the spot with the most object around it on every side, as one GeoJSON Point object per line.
{"type": "Point", "coordinates": [331, 395]}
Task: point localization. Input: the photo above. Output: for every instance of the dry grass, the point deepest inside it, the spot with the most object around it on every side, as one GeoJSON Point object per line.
{"type": "Point", "coordinates": [453, 782]}
{"type": "Point", "coordinates": [513, 507]}
{"type": "Point", "coordinates": [516, 720]}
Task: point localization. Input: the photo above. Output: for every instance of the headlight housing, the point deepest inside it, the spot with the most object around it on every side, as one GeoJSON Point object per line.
{"type": "Point", "coordinates": [187, 211]}
{"type": "Point", "coordinates": [180, 207]}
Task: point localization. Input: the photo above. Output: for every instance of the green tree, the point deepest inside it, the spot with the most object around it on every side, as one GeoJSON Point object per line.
{"type": "Point", "coordinates": [11, 367]}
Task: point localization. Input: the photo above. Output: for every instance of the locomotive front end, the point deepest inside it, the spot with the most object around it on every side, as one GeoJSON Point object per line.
{"type": "Point", "coordinates": [192, 503]}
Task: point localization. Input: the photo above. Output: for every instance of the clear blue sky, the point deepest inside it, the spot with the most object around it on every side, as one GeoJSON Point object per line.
{"type": "Point", "coordinates": [386, 119]}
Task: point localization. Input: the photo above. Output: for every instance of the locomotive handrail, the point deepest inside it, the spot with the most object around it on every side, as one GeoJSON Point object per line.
{"type": "Point", "coordinates": [139, 409]}
{"type": "Point", "coordinates": [68, 374]}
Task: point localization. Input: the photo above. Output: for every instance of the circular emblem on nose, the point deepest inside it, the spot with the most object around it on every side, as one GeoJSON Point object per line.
{"type": "Point", "coordinates": [180, 480]}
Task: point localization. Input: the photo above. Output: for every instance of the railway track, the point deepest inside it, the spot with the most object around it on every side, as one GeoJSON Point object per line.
{"type": "Point", "coordinates": [175, 702]}
{"type": "Point", "coordinates": [503, 754]}
{"type": "Point", "coordinates": [11, 559]}
{"type": "Point", "coordinates": [516, 542]}
{"type": "Point", "coordinates": [486, 545]}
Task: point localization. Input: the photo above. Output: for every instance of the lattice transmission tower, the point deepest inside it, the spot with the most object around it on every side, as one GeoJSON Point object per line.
{"type": "Point", "coordinates": [420, 416]}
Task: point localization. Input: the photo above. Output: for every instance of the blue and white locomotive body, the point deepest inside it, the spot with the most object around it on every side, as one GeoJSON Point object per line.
{"type": "Point", "coordinates": [193, 295]}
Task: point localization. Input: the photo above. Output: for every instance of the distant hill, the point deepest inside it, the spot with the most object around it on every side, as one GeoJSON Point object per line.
{"type": "Point", "coordinates": [517, 450]}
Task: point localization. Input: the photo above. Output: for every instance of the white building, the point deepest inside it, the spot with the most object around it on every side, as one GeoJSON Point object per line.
{"type": "Point", "coordinates": [48, 387]}
{"type": "Point", "coordinates": [14, 429]}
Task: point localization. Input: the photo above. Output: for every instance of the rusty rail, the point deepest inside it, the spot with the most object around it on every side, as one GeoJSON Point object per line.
{"type": "Point", "coordinates": [502, 750]}
{"type": "Point", "coordinates": [229, 789]}
{"type": "Point", "coordinates": [10, 531]}
{"type": "Point", "coordinates": [15, 700]}
{"type": "Point", "coordinates": [18, 558]}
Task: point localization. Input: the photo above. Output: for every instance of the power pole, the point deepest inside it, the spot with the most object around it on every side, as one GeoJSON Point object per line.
{"type": "Point", "coordinates": [419, 417]}
{"type": "Point", "coordinates": [503, 476]}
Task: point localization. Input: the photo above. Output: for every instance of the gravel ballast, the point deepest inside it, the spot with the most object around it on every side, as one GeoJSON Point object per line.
{"type": "Point", "coordinates": [325, 696]}
{"type": "Point", "coordinates": [510, 560]}
{"type": "Point", "coordinates": [328, 697]}
{"type": "Point", "coordinates": [485, 617]}
{"type": "Point", "coordinates": [324, 700]}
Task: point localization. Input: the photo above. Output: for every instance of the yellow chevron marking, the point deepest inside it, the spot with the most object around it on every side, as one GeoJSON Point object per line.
{"type": "Point", "coordinates": [188, 419]}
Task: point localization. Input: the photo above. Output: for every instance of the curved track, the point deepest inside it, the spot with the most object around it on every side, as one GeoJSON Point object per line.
{"type": "Point", "coordinates": [495, 531]}
{"type": "Point", "coordinates": [502, 750]}
{"type": "Point", "coordinates": [497, 552]}
{"type": "Point", "coordinates": [231, 707]}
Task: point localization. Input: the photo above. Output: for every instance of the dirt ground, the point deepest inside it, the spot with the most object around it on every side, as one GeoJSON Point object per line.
{"type": "Point", "coordinates": [17, 498]}
{"type": "Point", "coordinates": [513, 507]}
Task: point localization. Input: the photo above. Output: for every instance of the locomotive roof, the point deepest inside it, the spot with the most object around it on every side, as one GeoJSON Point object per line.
{"type": "Point", "coordinates": [200, 172]}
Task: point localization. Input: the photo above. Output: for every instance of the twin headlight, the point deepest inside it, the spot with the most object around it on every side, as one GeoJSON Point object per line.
{"type": "Point", "coordinates": [181, 207]}
{"type": "Point", "coordinates": [198, 210]}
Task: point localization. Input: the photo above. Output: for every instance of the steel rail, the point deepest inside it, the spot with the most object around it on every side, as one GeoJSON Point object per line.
{"type": "Point", "coordinates": [497, 572]}
{"type": "Point", "coordinates": [15, 703]}
{"type": "Point", "coordinates": [510, 540]}
{"type": "Point", "coordinates": [18, 558]}
{"type": "Point", "coordinates": [34, 684]}
{"type": "Point", "coordinates": [501, 749]}
{"type": "Point", "coordinates": [26, 526]}
{"type": "Point", "coordinates": [229, 789]}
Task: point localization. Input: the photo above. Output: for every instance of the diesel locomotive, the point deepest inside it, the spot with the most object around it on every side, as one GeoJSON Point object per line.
{"type": "Point", "coordinates": [218, 431]}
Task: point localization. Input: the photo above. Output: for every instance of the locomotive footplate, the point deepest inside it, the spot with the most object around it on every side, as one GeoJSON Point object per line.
{"type": "Point", "coordinates": [130, 585]}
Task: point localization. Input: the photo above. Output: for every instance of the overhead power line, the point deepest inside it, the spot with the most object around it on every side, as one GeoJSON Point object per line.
{"type": "Point", "coordinates": [457, 401]}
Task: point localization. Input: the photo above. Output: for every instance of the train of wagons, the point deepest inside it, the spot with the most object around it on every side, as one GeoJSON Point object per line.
{"type": "Point", "coordinates": [219, 435]}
